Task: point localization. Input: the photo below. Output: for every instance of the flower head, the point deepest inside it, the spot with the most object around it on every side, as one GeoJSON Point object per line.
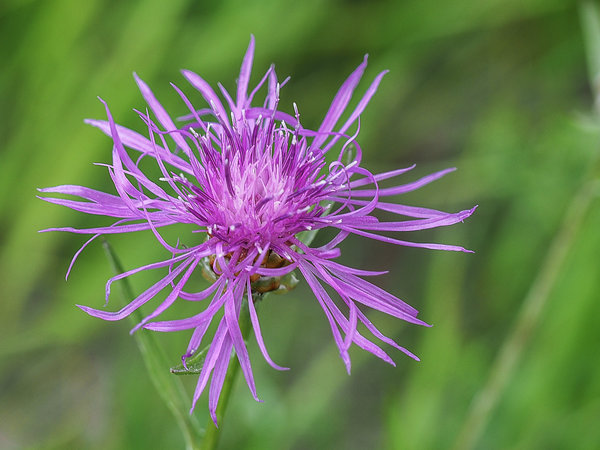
{"type": "Point", "coordinates": [255, 182]}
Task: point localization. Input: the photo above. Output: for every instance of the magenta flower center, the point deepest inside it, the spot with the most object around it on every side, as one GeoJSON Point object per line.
{"type": "Point", "coordinates": [256, 184]}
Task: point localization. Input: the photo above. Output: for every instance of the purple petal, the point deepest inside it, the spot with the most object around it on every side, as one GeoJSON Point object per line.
{"type": "Point", "coordinates": [111, 229]}
{"type": "Point", "coordinates": [170, 298]}
{"type": "Point", "coordinates": [218, 378]}
{"type": "Point", "coordinates": [452, 248]}
{"type": "Point", "coordinates": [209, 362]}
{"type": "Point", "coordinates": [381, 176]}
{"type": "Point", "coordinates": [190, 322]}
{"type": "Point", "coordinates": [233, 327]}
{"type": "Point", "coordinates": [160, 113]}
{"type": "Point", "coordinates": [257, 332]}
{"type": "Point", "coordinates": [414, 225]}
{"type": "Point", "coordinates": [359, 108]}
{"type": "Point", "coordinates": [244, 78]}
{"type": "Point", "coordinates": [140, 300]}
{"type": "Point", "coordinates": [208, 94]}
{"type": "Point", "coordinates": [403, 188]}
{"type": "Point", "coordinates": [142, 144]}
{"type": "Point", "coordinates": [339, 103]}
{"type": "Point", "coordinates": [157, 265]}
{"type": "Point", "coordinates": [322, 295]}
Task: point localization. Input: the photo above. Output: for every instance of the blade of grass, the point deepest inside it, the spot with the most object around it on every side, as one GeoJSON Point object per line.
{"type": "Point", "coordinates": [517, 340]}
{"type": "Point", "coordinates": [169, 387]}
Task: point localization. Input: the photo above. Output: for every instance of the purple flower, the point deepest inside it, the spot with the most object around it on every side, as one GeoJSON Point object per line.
{"type": "Point", "coordinates": [252, 179]}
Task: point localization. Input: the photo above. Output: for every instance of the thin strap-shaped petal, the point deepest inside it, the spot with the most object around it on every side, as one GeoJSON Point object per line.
{"type": "Point", "coordinates": [110, 229]}
{"type": "Point", "coordinates": [78, 252]}
{"type": "Point", "coordinates": [93, 208]}
{"type": "Point", "coordinates": [257, 332]}
{"type": "Point", "coordinates": [139, 300]}
{"type": "Point", "coordinates": [418, 224]}
{"type": "Point", "coordinates": [117, 174]}
{"type": "Point", "coordinates": [244, 79]}
{"type": "Point", "coordinates": [352, 270]}
{"type": "Point", "coordinates": [368, 298]}
{"type": "Point", "coordinates": [209, 363]}
{"type": "Point", "coordinates": [259, 85]}
{"type": "Point", "coordinates": [273, 93]}
{"type": "Point", "coordinates": [320, 293]}
{"type": "Point", "coordinates": [403, 210]}
{"type": "Point", "coordinates": [208, 93]}
{"type": "Point", "coordinates": [196, 113]}
{"type": "Point", "coordinates": [233, 327]}
{"type": "Point", "coordinates": [86, 193]}
{"type": "Point", "coordinates": [345, 324]}
{"type": "Point", "coordinates": [276, 272]}
{"type": "Point", "coordinates": [121, 156]}
{"type": "Point", "coordinates": [142, 144]}
{"type": "Point", "coordinates": [156, 265]}
{"type": "Point", "coordinates": [371, 289]}
{"type": "Point", "coordinates": [352, 325]}
{"type": "Point", "coordinates": [189, 322]}
{"type": "Point", "coordinates": [362, 104]}
{"type": "Point", "coordinates": [194, 342]}
{"type": "Point", "coordinates": [170, 298]}
{"type": "Point", "coordinates": [339, 103]}
{"type": "Point", "coordinates": [201, 295]}
{"type": "Point", "coordinates": [199, 333]}
{"type": "Point", "coordinates": [402, 189]}
{"type": "Point", "coordinates": [218, 377]}
{"type": "Point", "coordinates": [453, 248]}
{"type": "Point", "coordinates": [160, 113]}
{"type": "Point", "coordinates": [384, 338]}
{"type": "Point", "coordinates": [229, 100]}
{"type": "Point", "coordinates": [381, 176]}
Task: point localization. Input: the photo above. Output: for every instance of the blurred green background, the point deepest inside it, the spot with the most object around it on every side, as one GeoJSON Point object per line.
{"type": "Point", "coordinates": [498, 89]}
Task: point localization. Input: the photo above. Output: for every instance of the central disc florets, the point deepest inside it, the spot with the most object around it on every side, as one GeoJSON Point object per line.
{"type": "Point", "coordinates": [257, 193]}
{"type": "Point", "coordinates": [258, 183]}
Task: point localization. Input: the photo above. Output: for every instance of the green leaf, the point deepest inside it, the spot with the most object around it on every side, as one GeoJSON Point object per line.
{"type": "Point", "coordinates": [170, 389]}
{"type": "Point", "coordinates": [275, 285]}
{"type": "Point", "coordinates": [590, 21]}
{"type": "Point", "coordinates": [194, 364]}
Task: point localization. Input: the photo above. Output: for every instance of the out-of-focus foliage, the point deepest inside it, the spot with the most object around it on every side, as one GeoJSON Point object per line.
{"type": "Point", "coordinates": [496, 88]}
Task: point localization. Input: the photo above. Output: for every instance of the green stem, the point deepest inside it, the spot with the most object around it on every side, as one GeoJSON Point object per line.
{"type": "Point", "coordinates": [213, 434]}
{"type": "Point", "coordinates": [170, 388]}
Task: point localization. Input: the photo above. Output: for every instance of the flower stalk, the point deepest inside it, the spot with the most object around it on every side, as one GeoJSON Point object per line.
{"type": "Point", "coordinates": [213, 431]}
